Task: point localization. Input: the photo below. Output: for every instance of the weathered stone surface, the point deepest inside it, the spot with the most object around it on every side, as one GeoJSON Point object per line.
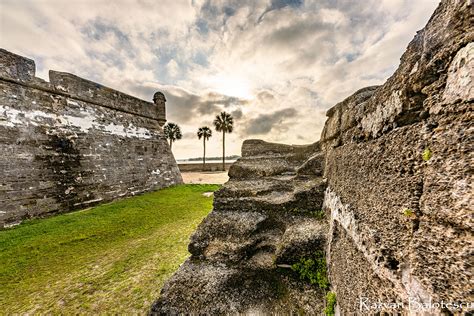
{"type": "Point", "coordinates": [217, 289]}
{"type": "Point", "coordinates": [276, 194]}
{"type": "Point", "coordinates": [263, 159]}
{"type": "Point", "coordinates": [257, 225]}
{"type": "Point", "coordinates": [345, 114]}
{"type": "Point", "coordinates": [404, 216]}
{"type": "Point", "coordinates": [351, 278]}
{"type": "Point", "coordinates": [314, 166]}
{"type": "Point", "coordinates": [460, 81]}
{"type": "Point", "coordinates": [16, 67]}
{"type": "Point", "coordinates": [61, 152]}
{"type": "Point", "coordinates": [92, 92]}
{"type": "Point", "coordinates": [260, 167]}
{"type": "Point", "coordinates": [256, 147]}
{"type": "Point", "coordinates": [228, 236]}
{"type": "Point", "coordinates": [300, 239]}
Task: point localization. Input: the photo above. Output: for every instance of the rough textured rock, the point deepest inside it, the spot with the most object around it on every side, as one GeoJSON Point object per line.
{"type": "Point", "coordinates": [263, 218]}
{"type": "Point", "coordinates": [407, 220]}
{"type": "Point", "coordinates": [71, 143]}
{"type": "Point", "coordinates": [397, 161]}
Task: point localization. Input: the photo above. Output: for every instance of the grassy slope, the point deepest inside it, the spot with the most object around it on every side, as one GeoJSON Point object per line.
{"type": "Point", "coordinates": [112, 258]}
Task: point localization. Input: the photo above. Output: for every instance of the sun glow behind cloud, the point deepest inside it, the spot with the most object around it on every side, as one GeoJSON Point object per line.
{"type": "Point", "coordinates": [229, 85]}
{"type": "Point", "coordinates": [276, 65]}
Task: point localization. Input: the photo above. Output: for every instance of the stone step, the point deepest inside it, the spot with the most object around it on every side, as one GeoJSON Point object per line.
{"type": "Point", "coordinates": [313, 166]}
{"type": "Point", "coordinates": [295, 195]}
{"type": "Point", "coordinates": [253, 239]}
{"type": "Point", "coordinates": [255, 187]}
{"type": "Point", "coordinates": [300, 240]}
{"type": "Point", "coordinates": [287, 194]}
{"type": "Point", "coordinates": [216, 289]}
{"type": "Point", "coordinates": [265, 166]}
{"type": "Point", "coordinates": [262, 159]}
{"type": "Point", "coordinates": [257, 148]}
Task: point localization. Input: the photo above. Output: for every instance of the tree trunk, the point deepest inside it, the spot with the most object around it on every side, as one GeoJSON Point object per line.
{"type": "Point", "coordinates": [223, 151]}
{"type": "Point", "coordinates": [171, 144]}
{"type": "Point", "coordinates": [204, 156]}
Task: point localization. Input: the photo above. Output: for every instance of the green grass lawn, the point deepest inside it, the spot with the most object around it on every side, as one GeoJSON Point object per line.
{"type": "Point", "coordinates": [113, 258]}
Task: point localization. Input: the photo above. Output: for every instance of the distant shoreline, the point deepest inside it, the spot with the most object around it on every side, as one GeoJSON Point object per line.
{"type": "Point", "coordinates": [232, 158]}
{"type": "Point", "coordinates": [182, 162]}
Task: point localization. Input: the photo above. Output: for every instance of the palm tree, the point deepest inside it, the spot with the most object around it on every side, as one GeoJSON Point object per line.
{"type": "Point", "coordinates": [172, 132]}
{"type": "Point", "coordinates": [224, 123]}
{"type": "Point", "coordinates": [205, 133]}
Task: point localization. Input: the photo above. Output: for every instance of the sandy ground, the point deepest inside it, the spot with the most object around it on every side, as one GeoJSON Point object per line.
{"type": "Point", "coordinates": [218, 177]}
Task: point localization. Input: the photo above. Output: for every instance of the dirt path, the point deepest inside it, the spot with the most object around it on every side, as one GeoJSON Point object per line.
{"type": "Point", "coordinates": [205, 177]}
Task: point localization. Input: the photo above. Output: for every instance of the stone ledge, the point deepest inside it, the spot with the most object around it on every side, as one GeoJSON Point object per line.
{"type": "Point", "coordinates": [15, 66]}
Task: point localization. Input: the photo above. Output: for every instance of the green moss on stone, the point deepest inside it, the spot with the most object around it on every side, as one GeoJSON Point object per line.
{"type": "Point", "coordinates": [408, 213]}
{"type": "Point", "coordinates": [330, 304]}
{"type": "Point", "coordinates": [427, 154]}
{"type": "Point", "coordinates": [313, 269]}
{"type": "Point", "coordinates": [319, 214]}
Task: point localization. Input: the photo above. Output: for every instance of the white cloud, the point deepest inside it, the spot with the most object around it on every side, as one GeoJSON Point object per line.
{"type": "Point", "coordinates": [173, 68]}
{"type": "Point", "coordinates": [279, 64]}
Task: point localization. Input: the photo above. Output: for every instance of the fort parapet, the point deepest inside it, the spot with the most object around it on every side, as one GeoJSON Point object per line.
{"type": "Point", "coordinates": [71, 143]}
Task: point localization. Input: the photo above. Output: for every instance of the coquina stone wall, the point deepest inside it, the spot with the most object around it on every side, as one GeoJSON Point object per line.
{"type": "Point", "coordinates": [399, 168]}
{"type": "Point", "coordinates": [71, 143]}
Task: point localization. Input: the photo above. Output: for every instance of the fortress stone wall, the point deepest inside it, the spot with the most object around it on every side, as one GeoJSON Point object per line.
{"type": "Point", "coordinates": [71, 143]}
{"type": "Point", "coordinates": [399, 163]}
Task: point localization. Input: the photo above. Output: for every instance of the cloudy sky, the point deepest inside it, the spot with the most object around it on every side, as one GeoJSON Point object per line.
{"type": "Point", "coordinates": [276, 65]}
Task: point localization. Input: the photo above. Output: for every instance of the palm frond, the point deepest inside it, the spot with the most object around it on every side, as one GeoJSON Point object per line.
{"type": "Point", "coordinates": [205, 132]}
{"type": "Point", "coordinates": [224, 122]}
{"type": "Point", "coordinates": [172, 131]}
